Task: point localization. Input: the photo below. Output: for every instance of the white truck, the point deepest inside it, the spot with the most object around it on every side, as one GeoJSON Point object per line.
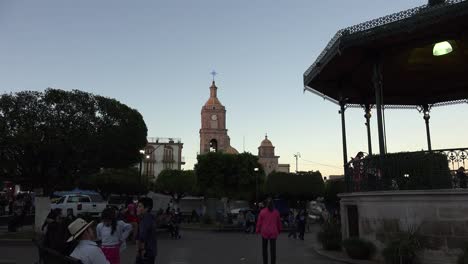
{"type": "Point", "coordinates": [81, 204]}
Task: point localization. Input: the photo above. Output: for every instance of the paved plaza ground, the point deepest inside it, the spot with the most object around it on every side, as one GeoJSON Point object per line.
{"type": "Point", "coordinates": [201, 247]}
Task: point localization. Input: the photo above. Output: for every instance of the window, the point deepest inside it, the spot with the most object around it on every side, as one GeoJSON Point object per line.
{"type": "Point", "coordinates": [73, 199]}
{"type": "Point", "coordinates": [84, 199]}
{"type": "Point", "coordinates": [168, 154]}
{"type": "Point", "coordinates": [61, 200]}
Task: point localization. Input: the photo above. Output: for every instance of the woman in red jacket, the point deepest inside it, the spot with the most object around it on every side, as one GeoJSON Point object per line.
{"type": "Point", "coordinates": [269, 226]}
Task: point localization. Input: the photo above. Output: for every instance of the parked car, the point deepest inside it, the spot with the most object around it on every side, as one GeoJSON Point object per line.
{"type": "Point", "coordinates": [80, 204]}
{"type": "Point", "coordinates": [117, 201]}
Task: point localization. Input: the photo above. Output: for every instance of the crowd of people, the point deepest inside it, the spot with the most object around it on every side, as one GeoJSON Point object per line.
{"type": "Point", "coordinates": [102, 244]}
{"type": "Point", "coordinates": [18, 207]}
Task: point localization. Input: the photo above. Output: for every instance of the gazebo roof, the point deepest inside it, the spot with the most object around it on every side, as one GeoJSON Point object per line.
{"type": "Point", "coordinates": [403, 44]}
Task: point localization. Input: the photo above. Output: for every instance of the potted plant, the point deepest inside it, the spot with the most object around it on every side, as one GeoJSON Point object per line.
{"type": "Point", "coordinates": [404, 249]}
{"type": "Point", "coordinates": [330, 235]}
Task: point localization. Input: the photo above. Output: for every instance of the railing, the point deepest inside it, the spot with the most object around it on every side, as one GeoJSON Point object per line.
{"type": "Point", "coordinates": [455, 157]}
{"type": "Point", "coordinates": [409, 171]}
{"type": "Point", "coordinates": [163, 140]}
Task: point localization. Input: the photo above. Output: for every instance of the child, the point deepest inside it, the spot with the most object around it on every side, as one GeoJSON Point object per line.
{"type": "Point", "coordinates": [112, 234]}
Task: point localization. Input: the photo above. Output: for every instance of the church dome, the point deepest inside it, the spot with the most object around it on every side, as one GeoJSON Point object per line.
{"type": "Point", "coordinates": [266, 143]}
{"type": "Point", "coordinates": [231, 150]}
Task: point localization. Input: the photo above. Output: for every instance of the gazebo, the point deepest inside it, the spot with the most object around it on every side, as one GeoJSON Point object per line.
{"type": "Point", "coordinates": [414, 59]}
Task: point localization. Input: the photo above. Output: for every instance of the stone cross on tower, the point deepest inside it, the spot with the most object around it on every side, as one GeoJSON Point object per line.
{"type": "Point", "coordinates": [214, 74]}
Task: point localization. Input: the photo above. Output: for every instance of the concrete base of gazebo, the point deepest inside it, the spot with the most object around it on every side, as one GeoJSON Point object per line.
{"type": "Point", "coordinates": [441, 216]}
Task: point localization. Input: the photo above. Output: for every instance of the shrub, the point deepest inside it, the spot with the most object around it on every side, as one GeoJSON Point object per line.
{"type": "Point", "coordinates": [404, 249]}
{"type": "Point", "coordinates": [330, 235]}
{"type": "Point", "coordinates": [412, 170]}
{"type": "Point", "coordinates": [358, 248]}
{"type": "Point", "coordinates": [463, 258]}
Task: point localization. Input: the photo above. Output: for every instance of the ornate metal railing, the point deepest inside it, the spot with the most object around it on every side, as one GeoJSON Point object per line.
{"type": "Point", "coordinates": [365, 174]}
{"type": "Point", "coordinates": [456, 157]}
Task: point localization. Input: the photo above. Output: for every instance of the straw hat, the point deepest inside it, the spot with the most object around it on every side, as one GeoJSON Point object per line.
{"type": "Point", "coordinates": [77, 227]}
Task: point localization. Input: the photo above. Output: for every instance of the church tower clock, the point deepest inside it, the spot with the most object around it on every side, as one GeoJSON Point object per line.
{"type": "Point", "coordinates": [213, 132]}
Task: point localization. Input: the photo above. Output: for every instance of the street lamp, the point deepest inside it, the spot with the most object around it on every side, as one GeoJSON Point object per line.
{"type": "Point", "coordinates": [256, 185]}
{"type": "Point", "coordinates": [142, 152]}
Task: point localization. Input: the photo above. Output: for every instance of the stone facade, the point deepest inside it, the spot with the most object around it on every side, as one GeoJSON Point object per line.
{"type": "Point", "coordinates": [213, 132]}
{"type": "Point", "coordinates": [441, 216]}
{"type": "Point", "coordinates": [266, 156]}
{"type": "Point", "coordinates": [161, 154]}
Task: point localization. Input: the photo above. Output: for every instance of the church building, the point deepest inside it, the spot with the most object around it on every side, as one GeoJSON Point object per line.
{"type": "Point", "coordinates": [214, 137]}
{"type": "Point", "coordinates": [213, 132]}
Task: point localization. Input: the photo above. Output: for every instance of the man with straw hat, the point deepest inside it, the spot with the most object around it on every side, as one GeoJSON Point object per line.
{"type": "Point", "coordinates": [87, 250]}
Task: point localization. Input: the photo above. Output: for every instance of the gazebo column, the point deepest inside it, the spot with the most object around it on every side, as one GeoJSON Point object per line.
{"type": "Point", "coordinates": [345, 149]}
{"type": "Point", "coordinates": [377, 80]}
{"type": "Point", "coordinates": [367, 109]}
{"type": "Point", "coordinates": [426, 118]}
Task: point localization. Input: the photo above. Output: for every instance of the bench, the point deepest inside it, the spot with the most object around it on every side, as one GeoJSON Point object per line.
{"type": "Point", "coordinates": [50, 256]}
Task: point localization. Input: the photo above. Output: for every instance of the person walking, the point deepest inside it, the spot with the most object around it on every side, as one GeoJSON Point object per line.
{"type": "Point", "coordinates": [131, 217]}
{"type": "Point", "coordinates": [292, 225]}
{"type": "Point", "coordinates": [250, 222]}
{"type": "Point", "coordinates": [269, 227]}
{"type": "Point", "coordinates": [461, 177]}
{"type": "Point", "coordinates": [301, 223]}
{"type": "Point", "coordinates": [113, 235]}
{"type": "Point", "coordinates": [146, 237]}
{"type": "Point", "coordinates": [55, 236]}
{"type": "Point", "coordinates": [86, 250]}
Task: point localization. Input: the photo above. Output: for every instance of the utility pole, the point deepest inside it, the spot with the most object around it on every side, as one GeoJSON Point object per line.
{"type": "Point", "coordinates": [297, 155]}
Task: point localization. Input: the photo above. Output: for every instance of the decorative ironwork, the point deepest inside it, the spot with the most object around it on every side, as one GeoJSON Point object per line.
{"type": "Point", "coordinates": [362, 175]}
{"type": "Point", "coordinates": [456, 157]}
{"type": "Point", "coordinates": [378, 22]}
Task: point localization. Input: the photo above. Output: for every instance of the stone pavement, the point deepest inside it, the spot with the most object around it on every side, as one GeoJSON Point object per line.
{"type": "Point", "coordinates": [201, 247]}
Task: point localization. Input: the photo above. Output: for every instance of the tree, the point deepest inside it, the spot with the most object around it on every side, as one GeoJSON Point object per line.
{"type": "Point", "coordinates": [114, 181]}
{"type": "Point", "coordinates": [177, 183]}
{"type": "Point", "coordinates": [300, 186]}
{"type": "Point", "coordinates": [229, 175]}
{"type": "Point", "coordinates": [332, 189]}
{"type": "Point", "coordinates": [49, 139]}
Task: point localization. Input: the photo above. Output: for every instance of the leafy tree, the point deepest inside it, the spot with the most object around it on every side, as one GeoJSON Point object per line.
{"type": "Point", "coordinates": [229, 175]}
{"type": "Point", "coordinates": [49, 139]}
{"type": "Point", "coordinates": [115, 181]}
{"type": "Point", "coordinates": [177, 183]}
{"type": "Point", "coordinates": [300, 186]}
{"type": "Point", "coordinates": [332, 189]}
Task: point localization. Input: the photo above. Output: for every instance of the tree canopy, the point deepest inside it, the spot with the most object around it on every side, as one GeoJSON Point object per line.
{"type": "Point", "coordinates": [115, 181]}
{"type": "Point", "coordinates": [301, 185]}
{"type": "Point", "coordinates": [177, 183]}
{"type": "Point", "coordinates": [229, 175]}
{"type": "Point", "coordinates": [48, 139]}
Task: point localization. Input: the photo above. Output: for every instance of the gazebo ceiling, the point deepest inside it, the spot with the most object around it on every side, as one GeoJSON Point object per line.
{"type": "Point", "coordinates": [403, 45]}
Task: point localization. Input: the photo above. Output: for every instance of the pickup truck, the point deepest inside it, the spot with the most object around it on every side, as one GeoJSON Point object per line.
{"type": "Point", "coordinates": [80, 204]}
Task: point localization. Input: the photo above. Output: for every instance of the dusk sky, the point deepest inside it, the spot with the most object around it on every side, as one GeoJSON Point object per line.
{"type": "Point", "coordinates": [156, 57]}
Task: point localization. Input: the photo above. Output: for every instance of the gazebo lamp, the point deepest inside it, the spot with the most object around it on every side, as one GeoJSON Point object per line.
{"type": "Point", "coordinates": [442, 48]}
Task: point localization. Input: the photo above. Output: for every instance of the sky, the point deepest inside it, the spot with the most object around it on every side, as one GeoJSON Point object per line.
{"type": "Point", "coordinates": [156, 56]}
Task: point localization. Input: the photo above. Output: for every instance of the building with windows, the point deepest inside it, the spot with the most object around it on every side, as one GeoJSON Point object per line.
{"type": "Point", "coordinates": [160, 154]}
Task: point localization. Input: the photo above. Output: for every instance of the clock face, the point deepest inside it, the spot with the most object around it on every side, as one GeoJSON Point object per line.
{"type": "Point", "coordinates": [214, 117]}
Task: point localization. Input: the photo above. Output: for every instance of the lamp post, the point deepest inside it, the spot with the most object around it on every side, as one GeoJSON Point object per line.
{"type": "Point", "coordinates": [142, 152]}
{"type": "Point", "coordinates": [256, 185]}
{"type": "Point", "coordinates": [147, 168]}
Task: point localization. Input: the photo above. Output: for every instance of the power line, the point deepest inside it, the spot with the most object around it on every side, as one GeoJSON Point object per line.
{"type": "Point", "coordinates": [327, 165]}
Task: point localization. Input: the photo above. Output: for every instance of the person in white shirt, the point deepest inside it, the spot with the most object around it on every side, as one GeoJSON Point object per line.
{"type": "Point", "coordinates": [113, 235]}
{"type": "Point", "coordinates": [87, 250]}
